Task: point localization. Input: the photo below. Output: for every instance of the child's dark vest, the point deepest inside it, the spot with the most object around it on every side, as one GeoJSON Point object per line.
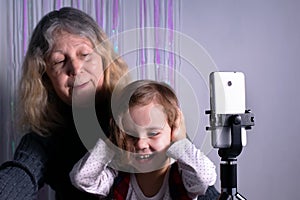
{"type": "Point", "coordinates": [176, 187]}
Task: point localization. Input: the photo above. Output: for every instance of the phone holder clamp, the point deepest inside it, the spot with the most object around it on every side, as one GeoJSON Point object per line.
{"type": "Point", "coordinates": [228, 166]}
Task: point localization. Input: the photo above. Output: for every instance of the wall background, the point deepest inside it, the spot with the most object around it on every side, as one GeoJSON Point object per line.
{"type": "Point", "coordinates": [261, 39]}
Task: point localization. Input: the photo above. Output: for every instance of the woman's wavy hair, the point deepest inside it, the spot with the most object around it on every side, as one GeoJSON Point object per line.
{"type": "Point", "coordinates": [39, 104]}
{"type": "Point", "coordinates": [141, 93]}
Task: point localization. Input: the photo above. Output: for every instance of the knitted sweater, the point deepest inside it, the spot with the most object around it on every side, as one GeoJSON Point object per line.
{"type": "Point", "coordinates": [43, 160]}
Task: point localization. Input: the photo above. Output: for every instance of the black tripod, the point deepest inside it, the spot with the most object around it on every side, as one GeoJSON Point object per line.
{"type": "Point", "coordinates": [228, 166]}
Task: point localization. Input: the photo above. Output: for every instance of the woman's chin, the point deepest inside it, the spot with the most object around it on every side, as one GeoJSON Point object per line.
{"type": "Point", "coordinates": [83, 102]}
{"type": "Point", "coordinates": [85, 99]}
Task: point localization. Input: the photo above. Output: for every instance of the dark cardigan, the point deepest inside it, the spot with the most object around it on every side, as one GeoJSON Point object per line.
{"type": "Point", "coordinates": [43, 160]}
{"type": "Point", "coordinates": [211, 194]}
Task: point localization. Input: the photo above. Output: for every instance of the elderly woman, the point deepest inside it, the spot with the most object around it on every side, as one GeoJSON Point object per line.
{"type": "Point", "coordinates": [68, 57]}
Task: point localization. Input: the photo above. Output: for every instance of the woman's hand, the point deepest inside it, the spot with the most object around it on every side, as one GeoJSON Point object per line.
{"type": "Point", "coordinates": [179, 130]}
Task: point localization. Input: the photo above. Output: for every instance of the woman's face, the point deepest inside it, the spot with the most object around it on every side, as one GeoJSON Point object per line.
{"type": "Point", "coordinates": [74, 68]}
{"type": "Point", "coordinates": [150, 135]}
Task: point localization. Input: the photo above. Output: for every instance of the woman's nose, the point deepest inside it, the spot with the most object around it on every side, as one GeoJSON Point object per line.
{"type": "Point", "coordinates": [75, 66]}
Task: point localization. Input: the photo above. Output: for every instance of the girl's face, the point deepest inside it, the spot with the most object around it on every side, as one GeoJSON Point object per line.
{"type": "Point", "coordinates": [74, 68]}
{"type": "Point", "coordinates": [150, 136]}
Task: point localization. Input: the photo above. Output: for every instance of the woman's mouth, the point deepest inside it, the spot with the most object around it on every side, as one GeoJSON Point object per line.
{"type": "Point", "coordinates": [80, 86]}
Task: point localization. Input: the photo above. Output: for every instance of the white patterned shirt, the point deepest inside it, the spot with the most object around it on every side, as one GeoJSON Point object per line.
{"type": "Point", "coordinates": [92, 173]}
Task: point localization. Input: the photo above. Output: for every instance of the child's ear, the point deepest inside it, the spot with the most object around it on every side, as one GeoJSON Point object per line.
{"type": "Point", "coordinates": [174, 126]}
{"type": "Point", "coordinates": [178, 130]}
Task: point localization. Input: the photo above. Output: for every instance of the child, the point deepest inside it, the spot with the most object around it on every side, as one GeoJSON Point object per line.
{"type": "Point", "coordinates": [149, 130]}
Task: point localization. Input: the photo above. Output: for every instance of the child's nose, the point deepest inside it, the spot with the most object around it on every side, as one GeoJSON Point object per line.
{"type": "Point", "coordinates": [142, 144]}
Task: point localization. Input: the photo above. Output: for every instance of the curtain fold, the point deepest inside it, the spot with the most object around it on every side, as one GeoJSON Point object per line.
{"type": "Point", "coordinates": [158, 63]}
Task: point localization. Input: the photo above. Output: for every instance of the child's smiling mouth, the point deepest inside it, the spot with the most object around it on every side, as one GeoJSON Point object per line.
{"type": "Point", "coordinates": [144, 156]}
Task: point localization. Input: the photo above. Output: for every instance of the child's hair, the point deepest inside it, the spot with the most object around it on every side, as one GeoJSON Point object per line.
{"type": "Point", "coordinates": [141, 93]}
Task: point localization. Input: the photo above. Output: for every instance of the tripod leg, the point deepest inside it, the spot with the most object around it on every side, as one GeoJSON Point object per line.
{"type": "Point", "coordinates": [225, 196]}
{"type": "Point", "coordinates": [239, 196]}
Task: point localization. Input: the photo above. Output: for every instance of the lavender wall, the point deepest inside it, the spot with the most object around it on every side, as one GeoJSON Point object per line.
{"type": "Point", "coordinates": [261, 39]}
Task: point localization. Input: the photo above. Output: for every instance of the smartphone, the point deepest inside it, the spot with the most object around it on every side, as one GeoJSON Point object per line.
{"type": "Point", "coordinates": [227, 96]}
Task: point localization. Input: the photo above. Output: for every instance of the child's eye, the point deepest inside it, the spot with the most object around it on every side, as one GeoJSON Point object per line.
{"type": "Point", "coordinates": [131, 137]}
{"type": "Point", "coordinates": [152, 134]}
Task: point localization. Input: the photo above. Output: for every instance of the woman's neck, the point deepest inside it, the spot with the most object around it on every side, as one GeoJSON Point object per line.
{"type": "Point", "coordinates": [151, 182]}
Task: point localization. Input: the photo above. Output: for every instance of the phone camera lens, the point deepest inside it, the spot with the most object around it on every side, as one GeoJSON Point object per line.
{"type": "Point", "coordinates": [229, 83]}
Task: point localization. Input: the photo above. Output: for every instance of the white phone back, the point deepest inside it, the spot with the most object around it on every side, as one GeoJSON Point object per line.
{"type": "Point", "coordinates": [227, 96]}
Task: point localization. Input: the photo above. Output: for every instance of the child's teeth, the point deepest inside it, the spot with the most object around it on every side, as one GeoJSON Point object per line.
{"type": "Point", "coordinates": [144, 156]}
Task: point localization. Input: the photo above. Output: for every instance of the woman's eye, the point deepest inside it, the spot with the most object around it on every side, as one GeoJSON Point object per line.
{"type": "Point", "coordinates": [85, 54]}
{"type": "Point", "coordinates": [58, 62]}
